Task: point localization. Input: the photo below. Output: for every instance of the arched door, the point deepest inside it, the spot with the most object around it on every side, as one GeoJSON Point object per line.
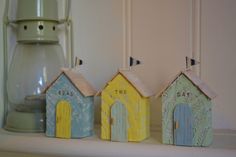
{"type": "Point", "coordinates": [63, 119]}
{"type": "Point", "coordinates": [183, 129]}
{"type": "Point", "coordinates": [119, 122]}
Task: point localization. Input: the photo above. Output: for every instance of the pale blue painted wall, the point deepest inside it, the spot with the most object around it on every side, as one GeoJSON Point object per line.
{"type": "Point", "coordinates": [82, 109]}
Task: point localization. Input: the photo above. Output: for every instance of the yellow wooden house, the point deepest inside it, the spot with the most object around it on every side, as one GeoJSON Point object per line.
{"type": "Point", "coordinates": [125, 108]}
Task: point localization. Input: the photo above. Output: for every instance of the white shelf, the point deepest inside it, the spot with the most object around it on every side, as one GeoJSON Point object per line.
{"type": "Point", "coordinates": [224, 145]}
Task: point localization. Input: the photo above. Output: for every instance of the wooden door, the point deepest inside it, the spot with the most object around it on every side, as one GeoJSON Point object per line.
{"type": "Point", "coordinates": [63, 119]}
{"type": "Point", "coordinates": [118, 122]}
{"type": "Point", "coordinates": [183, 132]}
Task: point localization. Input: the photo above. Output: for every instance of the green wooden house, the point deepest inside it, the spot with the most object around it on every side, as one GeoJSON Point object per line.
{"type": "Point", "coordinates": [186, 111]}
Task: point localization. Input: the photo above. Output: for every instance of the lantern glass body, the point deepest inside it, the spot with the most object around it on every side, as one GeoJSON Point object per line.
{"type": "Point", "coordinates": [36, 61]}
{"type": "Point", "coordinates": [32, 68]}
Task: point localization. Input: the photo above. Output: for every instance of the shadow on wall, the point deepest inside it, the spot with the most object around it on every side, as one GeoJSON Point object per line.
{"type": "Point", "coordinates": [97, 110]}
{"type": "Point", "coordinates": [155, 114]}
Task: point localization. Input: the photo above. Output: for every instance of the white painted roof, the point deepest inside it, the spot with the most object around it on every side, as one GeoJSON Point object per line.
{"type": "Point", "coordinates": [135, 82]}
{"type": "Point", "coordinates": [196, 81]}
{"type": "Point", "coordinates": [78, 81]}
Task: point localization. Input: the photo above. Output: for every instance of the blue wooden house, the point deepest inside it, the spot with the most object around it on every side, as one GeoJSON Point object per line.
{"type": "Point", "coordinates": [69, 106]}
{"type": "Point", "coordinates": [186, 111]}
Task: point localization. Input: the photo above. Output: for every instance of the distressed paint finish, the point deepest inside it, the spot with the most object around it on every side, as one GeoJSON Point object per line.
{"type": "Point", "coordinates": [183, 91]}
{"type": "Point", "coordinates": [82, 108]}
{"type": "Point", "coordinates": [137, 107]}
{"type": "Point", "coordinates": [183, 133]}
{"type": "Point", "coordinates": [118, 122]}
{"type": "Point", "coordinates": [63, 119]}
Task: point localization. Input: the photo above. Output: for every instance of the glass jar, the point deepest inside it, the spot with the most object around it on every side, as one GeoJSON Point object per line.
{"type": "Point", "coordinates": [32, 68]}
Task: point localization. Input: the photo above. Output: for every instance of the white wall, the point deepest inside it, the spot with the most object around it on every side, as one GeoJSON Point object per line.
{"type": "Point", "coordinates": [218, 58]}
{"type": "Point", "coordinates": [98, 38]}
{"type": "Point", "coordinates": [161, 40]}
{"type": "Point", "coordinates": [160, 34]}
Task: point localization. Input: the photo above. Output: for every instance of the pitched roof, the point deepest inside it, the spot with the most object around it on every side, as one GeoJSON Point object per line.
{"type": "Point", "coordinates": [196, 81]}
{"type": "Point", "coordinates": [135, 82]}
{"type": "Point", "coordinates": [78, 81]}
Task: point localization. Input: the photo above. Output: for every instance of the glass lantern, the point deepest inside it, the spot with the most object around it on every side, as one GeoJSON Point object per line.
{"type": "Point", "coordinates": [37, 60]}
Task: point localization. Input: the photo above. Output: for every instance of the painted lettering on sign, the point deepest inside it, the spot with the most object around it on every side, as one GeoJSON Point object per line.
{"type": "Point", "coordinates": [120, 91]}
{"type": "Point", "coordinates": [184, 94]}
{"type": "Point", "coordinates": [65, 92]}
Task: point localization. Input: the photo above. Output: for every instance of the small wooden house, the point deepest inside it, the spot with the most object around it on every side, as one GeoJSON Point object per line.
{"type": "Point", "coordinates": [69, 106]}
{"type": "Point", "coordinates": [125, 109]}
{"type": "Point", "coordinates": [186, 111]}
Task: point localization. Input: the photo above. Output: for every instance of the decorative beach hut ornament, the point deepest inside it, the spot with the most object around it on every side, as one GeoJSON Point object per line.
{"type": "Point", "coordinates": [186, 111]}
{"type": "Point", "coordinates": [125, 108]}
{"type": "Point", "coordinates": [70, 106]}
